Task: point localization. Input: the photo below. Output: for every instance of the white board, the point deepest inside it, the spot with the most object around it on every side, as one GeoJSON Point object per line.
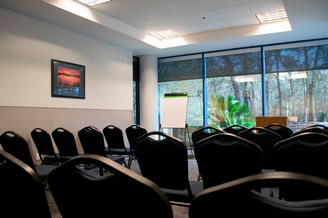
{"type": "Point", "coordinates": [174, 112]}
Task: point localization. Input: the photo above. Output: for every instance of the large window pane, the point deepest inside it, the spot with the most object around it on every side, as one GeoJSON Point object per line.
{"type": "Point", "coordinates": [183, 75]}
{"type": "Point", "coordinates": [296, 83]}
{"type": "Point", "coordinates": [234, 89]}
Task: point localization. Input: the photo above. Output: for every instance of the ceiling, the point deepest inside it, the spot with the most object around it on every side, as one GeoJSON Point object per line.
{"type": "Point", "coordinates": [201, 25]}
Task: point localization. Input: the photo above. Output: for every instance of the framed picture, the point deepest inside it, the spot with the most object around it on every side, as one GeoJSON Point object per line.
{"type": "Point", "coordinates": [67, 79]}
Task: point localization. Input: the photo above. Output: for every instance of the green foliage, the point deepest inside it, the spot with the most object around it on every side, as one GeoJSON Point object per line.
{"type": "Point", "coordinates": [230, 111]}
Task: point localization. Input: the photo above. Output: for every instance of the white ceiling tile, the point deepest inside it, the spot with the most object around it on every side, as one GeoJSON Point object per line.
{"type": "Point", "coordinates": [213, 25]}
{"type": "Point", "coordinates": [204, 17]}
{"type": "Point", "coordinates": [233, 12]}
{"type": "Point", "coordinates": [264, 6]}
{"type": "Point", "coordinates": [242, 21]}
{"type": "Point", "coordinates": [190, 6]}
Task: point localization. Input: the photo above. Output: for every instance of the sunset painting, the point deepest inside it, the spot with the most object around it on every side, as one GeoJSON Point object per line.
{"type": "Point", "coordinates": [68, 77]}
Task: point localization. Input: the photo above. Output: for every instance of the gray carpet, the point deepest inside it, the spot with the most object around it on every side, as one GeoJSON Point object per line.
{"type": "Point", "coordinates": [178, 211]}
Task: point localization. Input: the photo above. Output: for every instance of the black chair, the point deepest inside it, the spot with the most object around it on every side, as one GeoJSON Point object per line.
{"type": "Point", "coordinates": [115, 141]}
{"type": "Point", "coordinates": [304, 153]}
{"type": "Point", "coordinates": [266, 139]}
{"type": "Point", "coordinates": [224, 157]}
{"type": "Point", "coordinates": [65, 143]}
{"type": "Point", "coordinates": [163, 159]}
{"type": "Point", "coordinates": [17, 146]}
{"type": "Point", "coordinates": [238, 198]}
{"type": "Point", "coordinates": [22, 190]}
{"type": "Point", "coordinates": [133, 132]}
{"type": "Point", "coordinates": [235, 129]}
{"type": "Point", "coordinates": [283, 131]}
{"type": "Point", "coordinates": [310, 129]}
{"type": "Point", "coordinates": [43, 143]}
{"type": "Point", "coordinates": [79, 194]}
{"type": "Point", "coordinates": [92, 141]}
{"type": "Point", "coordinates": [203, 133]}
{"type": "Point", "coordinates": [319, 126]}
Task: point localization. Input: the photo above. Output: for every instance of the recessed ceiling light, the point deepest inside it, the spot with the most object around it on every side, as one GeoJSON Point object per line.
{"type": "Point", "coordinates": [166, 34]}
{"type": "Point", "coordinates": [93, 2]}
{"type": "Point", "coordinates": [272, 16]}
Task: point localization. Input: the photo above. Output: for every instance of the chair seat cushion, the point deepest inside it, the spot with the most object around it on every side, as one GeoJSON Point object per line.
{"type": "Point", "coordinates": [182, 195]}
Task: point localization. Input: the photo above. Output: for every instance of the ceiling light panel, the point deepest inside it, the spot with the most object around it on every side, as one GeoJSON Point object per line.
{"type": "Point", "coordinates": [93, 2]}
{"type": "Point", "coordinates": [166, 34]}
{"type": "Point", "coordinates": [272, 16]}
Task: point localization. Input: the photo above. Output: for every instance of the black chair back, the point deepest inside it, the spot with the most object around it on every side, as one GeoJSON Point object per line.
{"type": "Point", "coordinates": [311, 129]}
{"type": "Point", "coordinates": [163, 159]}
{"type": "Point", "coordinates": [203, 133]}
{"type": "Point", "coordinates": [114, 139]}
{"type": "Point", "coordinates": [266, 139]}
{"type": "Point", "coordinates": [133, 132]}
{"type": "Point", "coordinates": [81, 194]}
{"type": "Point", "coordinates": [43, 143]}
{"type": "Point", "coordinates": [238, 198]}
{"type": "Point", "coordinates": [304, 153]}
{"type": "Point", "coordinates": [92, 141]}
{"type": "Point", "coordinates": [22, 190]}
{"type": "Point", "coordinates": [283, 131]}
{"type": "Point", "coordinates": [17, 146]}
{"type": "Point", "coordinates": [235, 129]}
{"type": "Point", "coordinates": [224, 157]}
{"type": "Point", "coordinates": [65, 142]}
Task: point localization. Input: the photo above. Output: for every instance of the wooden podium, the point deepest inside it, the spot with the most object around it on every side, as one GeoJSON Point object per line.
{"type": "Point", "coordinates": [264, 121]}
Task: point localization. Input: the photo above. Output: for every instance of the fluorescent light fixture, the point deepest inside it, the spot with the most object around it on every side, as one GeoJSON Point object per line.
{"type": "Point", "coordinates": [166, 34]}
{"type": "Point", "coordinates": [243, 79]}
{"type": "Point", "coordinates": [93, 2]}
{"type": "Point", "coordinates": [272, 16]}
{"type": "Point", "coordinates": [298, 75]}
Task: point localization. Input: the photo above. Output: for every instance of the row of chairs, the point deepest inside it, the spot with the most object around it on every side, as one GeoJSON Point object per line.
{"type": "Point", "coordinates": [79, 194]}
{"type": "Point", "coordinates": [92, 141]}
{"type": "Point", "coordinates": [233, 156]}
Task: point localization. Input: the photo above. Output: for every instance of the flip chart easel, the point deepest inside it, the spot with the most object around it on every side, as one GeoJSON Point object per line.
{"type": "Point", "coordinates": [174, 114]}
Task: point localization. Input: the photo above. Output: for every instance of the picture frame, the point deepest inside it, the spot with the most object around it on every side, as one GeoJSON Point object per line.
{"type": "Point", "coordinates": [67, 79]}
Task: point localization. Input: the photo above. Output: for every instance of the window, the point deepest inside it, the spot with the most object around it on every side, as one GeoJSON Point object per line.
{"type": "Point", "coordinates": [183, 75]}
{"type": "Point", "coordinates": [233, 88]}
{"type": "Point", "coordinates": [296, 83]}
{"type": "Point", "coordinates": [136, 115]}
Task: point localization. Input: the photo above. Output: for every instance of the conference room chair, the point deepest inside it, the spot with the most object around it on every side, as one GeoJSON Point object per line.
{"type": "Point", "coordinates": [283, 131]}
{"type": "Point", "coordinates": [304, 153]}
{"type": "Point", "coordinates": [45, 147]}
{"type": "Point", "coordinates": [22, 190]}
{"type": "Point", "coordinates": [118, 193]}
{"type": "Point", "coordinates": [203, 133]}
{"type": "Point", "coordinates": [235, 129]}
{"type": "Point", "coordinates": [133, 132]}
{"type": "Point", "coordinates": [17, 146]}
{"type": "Point", "coordinates": [92, 142]}
{"type": "Point", "coordinates": [311, 129]}
{"type": "Point", "coordinates": [224, 157]}
{"type": "Point", "coordinates": [319, 126]}
{"type": "Point", "coordinates": [238, 198]}
{"type": "Point", "coordinates": [65, 143]}
{"type": "Point", "coordinates": [266, 139]}
{"type": "Point", "coordinates": [115, 141]}
{"type": "Point", "coordinates": [164, 160]}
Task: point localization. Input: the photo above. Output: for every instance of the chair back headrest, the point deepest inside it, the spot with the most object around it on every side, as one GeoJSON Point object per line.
{"type": "Point", "coordinates": [133, 132]}
{"type": "Point", "coordinates": [203, 133]}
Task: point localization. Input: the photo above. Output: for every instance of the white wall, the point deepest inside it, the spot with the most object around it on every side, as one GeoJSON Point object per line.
{"type": "Point", "coordinates": [26, 47]}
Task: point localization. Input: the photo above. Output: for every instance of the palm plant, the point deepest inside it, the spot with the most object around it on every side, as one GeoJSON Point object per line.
{"type": "Point", "coordinates": [230, 111]}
